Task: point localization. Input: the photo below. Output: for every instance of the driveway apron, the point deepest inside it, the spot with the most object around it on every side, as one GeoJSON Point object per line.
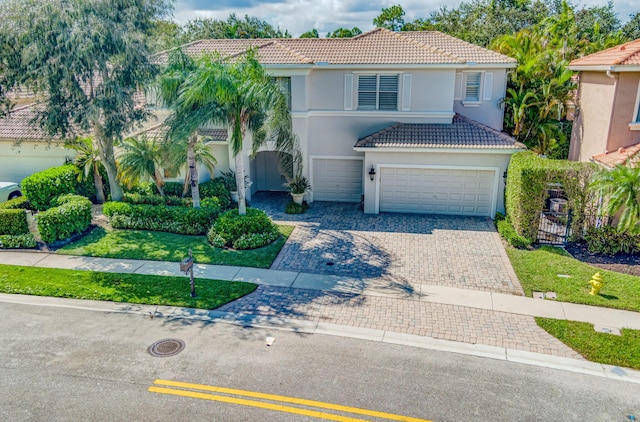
{"type": "Point", "coordinates": [404, 249]}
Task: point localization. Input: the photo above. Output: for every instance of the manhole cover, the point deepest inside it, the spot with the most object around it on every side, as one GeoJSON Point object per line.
{"type": "Point", "coordinates": [166, 347]}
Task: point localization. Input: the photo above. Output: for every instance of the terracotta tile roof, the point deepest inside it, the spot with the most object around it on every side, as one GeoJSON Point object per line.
{"type": "Point", "coordinates": [159, 132]}
{"type": "Point", "coordinates": [620, 156]}
{"type": "Point", "coordinates": [18, 125]}
{"type": "Point", "coordinates": [379, 46]}
{"type": "Point", "coordinates": [623, 54]}
{"type": "Point", "coordinates": [461, 133]}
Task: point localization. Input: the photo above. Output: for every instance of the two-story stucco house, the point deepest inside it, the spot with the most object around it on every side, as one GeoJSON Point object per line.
{"type": "Point", "coordinates": [607, 124]}
{"type": "Point", "coordinates": [406, 122]}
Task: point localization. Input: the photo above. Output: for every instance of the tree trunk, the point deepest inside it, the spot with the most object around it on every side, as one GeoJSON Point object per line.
{"type": "Point", "coordinates": [107, 156]}
{"type": "Point", "coordinates": [242, 205]}
{"type": "Point", "coordinates": [97, 182]}
{"type": "Point", "coordinates": [193, 170]}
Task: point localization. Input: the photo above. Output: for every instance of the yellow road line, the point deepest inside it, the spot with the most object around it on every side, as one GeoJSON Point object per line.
{"type": "Point", "coordinates": [252, 403]}
{"type": "Point", "coordinates": [293, 400]}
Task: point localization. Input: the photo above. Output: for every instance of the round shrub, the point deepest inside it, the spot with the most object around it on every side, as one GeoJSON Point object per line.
{"type": "Point", "coordinates": [44, 187]}
{"type": "Point", "coordinates": [250, 231]}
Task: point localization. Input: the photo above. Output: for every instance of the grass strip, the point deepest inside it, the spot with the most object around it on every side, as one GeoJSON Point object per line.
{"type": "Point", "coordinates": [597, 347]}
{"type": "Point", "coordinates": [117, 287]}
{"type": "Point", "coordinates": [161, 246]}
{"type": "Point", "coordinates": [549, 269]}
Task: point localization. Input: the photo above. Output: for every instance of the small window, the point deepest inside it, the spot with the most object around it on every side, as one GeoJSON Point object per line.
{"type": "Point", "coordinates": [284, 83]}
{"type": "Point", "coordinates": [378, 92]}
{"type": "Point", "coordinates": [472, 87]}
{"type": "Point", "coordinates": [638, 113]}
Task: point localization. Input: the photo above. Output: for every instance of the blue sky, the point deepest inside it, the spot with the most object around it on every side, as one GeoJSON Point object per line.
{"type": "Point", "coordinates": [299, 16]}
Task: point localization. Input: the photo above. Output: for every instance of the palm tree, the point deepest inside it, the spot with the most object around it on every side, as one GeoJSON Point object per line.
{"type": "Point", "coordinates": [178, 158]}
{"type": "Point", "coordinates": [620, 189]}
{"type": "Point", "coordinates": [238, 94]}
{"type": "Point", "coordinates": [140, 159]}
{"type": "Point", "coordinates": [88, 160]}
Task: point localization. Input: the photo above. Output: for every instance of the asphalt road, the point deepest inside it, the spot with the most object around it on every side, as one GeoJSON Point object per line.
{"type": "Point", "coordinates": [66, 364]}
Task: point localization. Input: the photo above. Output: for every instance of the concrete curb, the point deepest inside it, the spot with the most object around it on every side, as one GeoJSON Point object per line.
{"type": "Point", "coordinates": [311, 327]}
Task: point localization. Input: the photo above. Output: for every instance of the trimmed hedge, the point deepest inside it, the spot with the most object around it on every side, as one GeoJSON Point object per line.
{"type": "Point", "coordinates": [212, 188]}
{"type": "Point", "coordinates": [250, 231]}
{"type": "Point", "coordinates": [72, 215]}
{"type": "Point", "coordinates": [510, 235]}
{"type": "Point", "coordinates": [172, 219]}
{"type": "Point", "coordinates": [44, 187]}
{"type": "Point", "coordinates": [139, 199]}
{"type": "Point", "coordinates": [21, 241]}
{"type": "Point", "coordinates": [528, 178]}
{"type": "Point", "coordinates": [13, 222]}
{"type": "Point", "coordinates": [215, 188]}
{"type": "Point", "coordinates": [20, 202]}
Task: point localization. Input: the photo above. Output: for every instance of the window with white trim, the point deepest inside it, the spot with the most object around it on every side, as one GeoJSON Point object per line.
{"type": "Point", "coordinates": [635, 118]}
{"type": "Point", "coordinates": [472, 87]}
{"type": "Point", "coordinates": [377, 92]}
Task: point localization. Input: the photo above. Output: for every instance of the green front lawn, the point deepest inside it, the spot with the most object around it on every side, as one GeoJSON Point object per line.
{"type": "Point", "coordinates": [161, 246]}
{"type": "Point", "coordinates": [597, 347]}
{"type": "Point", "coordinates": [130, 288]}
{"type": "Point", "coordinates": [542, 270]}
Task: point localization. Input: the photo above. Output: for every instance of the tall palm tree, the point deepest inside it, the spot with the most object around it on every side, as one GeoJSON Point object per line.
{"type": "Point", "coordinates": [620, 189]}
{"type": "Point", "coordinates": [240, 95]}
{"type": "Point", "coordinates": [178, 158]}
{"type": "Point", "coordinates": [88, 161]}
{"type": "Point", "coordinates": [140, 159]}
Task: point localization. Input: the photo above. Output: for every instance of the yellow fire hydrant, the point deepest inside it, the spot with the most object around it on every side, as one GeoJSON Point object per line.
{"type": "Point", "coordinates": [596, 284]}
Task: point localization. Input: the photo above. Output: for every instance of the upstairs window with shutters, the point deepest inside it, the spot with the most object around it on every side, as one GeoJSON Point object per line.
{"type": "Point", "coordinates": [377, 92]}
{"type": "Point", "coordinates": [472, 87]}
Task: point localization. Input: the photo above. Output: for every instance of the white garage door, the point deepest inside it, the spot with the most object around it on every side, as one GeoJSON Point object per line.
{"type": "Point", "coordinates": [337, 180]}
{"type": "Point", "coordinates": [437, 191]}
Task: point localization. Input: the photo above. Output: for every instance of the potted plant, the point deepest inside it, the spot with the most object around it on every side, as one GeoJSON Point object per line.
{"type": "Point", "coordinates": [297, 187]}
{"type": "Point", "coordinates": [229, 181]}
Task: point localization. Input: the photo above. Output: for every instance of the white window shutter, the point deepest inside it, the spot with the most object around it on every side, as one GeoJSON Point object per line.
{"type": "Point", "coordinates": [348, 91]}
{"type": "Point", "coordinates": [406, 92]}
{"type": "Point", "coordinates": [488, 86]}
{"type": "Point", "coordinates": [458, 89]}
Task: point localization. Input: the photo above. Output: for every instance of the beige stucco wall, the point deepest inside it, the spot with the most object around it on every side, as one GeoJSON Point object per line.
{"type": "Point", "coordinates": [492, 160]}
{"type": "Point", "coordinates": [591, 127]}
{"type": "Point", "coordinates": [623, 107]}
{"type": "Point", "coordinates": [18, 161]}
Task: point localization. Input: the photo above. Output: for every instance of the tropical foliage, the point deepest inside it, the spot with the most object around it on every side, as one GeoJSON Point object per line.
{"type": "Point", "coordinates": [620, 189]}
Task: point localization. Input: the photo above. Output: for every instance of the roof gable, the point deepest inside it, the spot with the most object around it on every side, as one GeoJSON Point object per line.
{"type": "Point", "coordinates": [379, 46]}
{"type": "Point", "coordinates": [627, 54]}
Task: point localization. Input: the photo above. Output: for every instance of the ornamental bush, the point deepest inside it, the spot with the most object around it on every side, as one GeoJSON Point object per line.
{"type": "Point", "coordinates": [20, 202]}
{"type": "Point", "coordinates": [70, 214]}
{"type": "Point", "coordinates": [21, 241]}
{"type": "Point", "coordinates": [42, 188]}
{"type": "Point", "coordinates": [528, 179]}
{"type": "Point", "coordinates": [215, 188]}
{"type": "Point", "coordinates": [13, 222]}
{"type": "Point", "coordinates": [509, 234]}
{"type": "Point", "coordinates": [609, 241]}
{"type": "Point", "coordinates": [140, 199]}
{"type": "Point", "coordinates": [173, 219]}
{"type": "Point", "coordinates": [250, 231]}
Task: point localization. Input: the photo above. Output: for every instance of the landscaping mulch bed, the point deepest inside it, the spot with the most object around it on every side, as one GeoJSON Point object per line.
{"type": "Point", "coordinates": [621, 263]}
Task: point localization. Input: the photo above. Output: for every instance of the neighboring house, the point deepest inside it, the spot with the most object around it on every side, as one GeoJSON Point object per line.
{"type": "Point", "coordinates": [25, 148]}
{"type": "Point", "coordinates": [405, 122]}
{"type": "Point", "coordinates": [606, 128]}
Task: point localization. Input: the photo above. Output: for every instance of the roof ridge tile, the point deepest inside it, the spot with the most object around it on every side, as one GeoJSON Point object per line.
{"type": "Point", "coordinates": [430, 47]}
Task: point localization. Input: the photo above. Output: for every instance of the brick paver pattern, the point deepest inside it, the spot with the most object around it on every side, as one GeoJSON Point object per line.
{"type": "Point", "coordinates": [410, 249]}
{"type": "Point", "coordinates": [448, 322]}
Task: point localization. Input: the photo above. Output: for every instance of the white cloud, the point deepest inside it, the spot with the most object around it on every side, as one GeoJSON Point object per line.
{"type": "Point", "coordinates": [298, 16]}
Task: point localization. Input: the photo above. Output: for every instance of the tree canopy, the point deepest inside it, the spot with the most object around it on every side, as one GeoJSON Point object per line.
{"type": "Point", "coordinates": [86, 61]}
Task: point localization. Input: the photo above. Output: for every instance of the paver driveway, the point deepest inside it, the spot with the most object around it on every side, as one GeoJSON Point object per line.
{"type": "Point", "coordinates": [406, 250]}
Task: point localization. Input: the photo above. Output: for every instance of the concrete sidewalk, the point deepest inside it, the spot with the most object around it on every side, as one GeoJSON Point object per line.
{"type": "Point", "coordinates": [489, 301]}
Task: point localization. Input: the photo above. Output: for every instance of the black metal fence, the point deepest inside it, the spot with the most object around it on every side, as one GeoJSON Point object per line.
{"type": "Point", "coordinates": [554, 227]}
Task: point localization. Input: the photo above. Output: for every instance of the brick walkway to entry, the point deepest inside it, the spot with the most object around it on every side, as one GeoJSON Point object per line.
{"type": "Point", "coordinates": [448, 322]}
{"type": "Point", "coordinates": [407, 249]}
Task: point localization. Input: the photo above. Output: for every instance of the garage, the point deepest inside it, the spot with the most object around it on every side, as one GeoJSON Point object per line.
{"type": "Point", "coordinates": [424, 190]}
{"type": "Point", "coordinates": [337, 180]}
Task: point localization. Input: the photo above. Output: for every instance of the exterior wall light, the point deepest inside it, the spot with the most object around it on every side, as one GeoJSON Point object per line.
{"type": "Point", "coordinates": [372, 173]}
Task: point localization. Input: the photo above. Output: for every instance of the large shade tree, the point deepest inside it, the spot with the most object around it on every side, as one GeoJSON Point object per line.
{"type": "Point", "coordinates": [86, 61]}
{"type": "Point", "coordinates": [238, 94]}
